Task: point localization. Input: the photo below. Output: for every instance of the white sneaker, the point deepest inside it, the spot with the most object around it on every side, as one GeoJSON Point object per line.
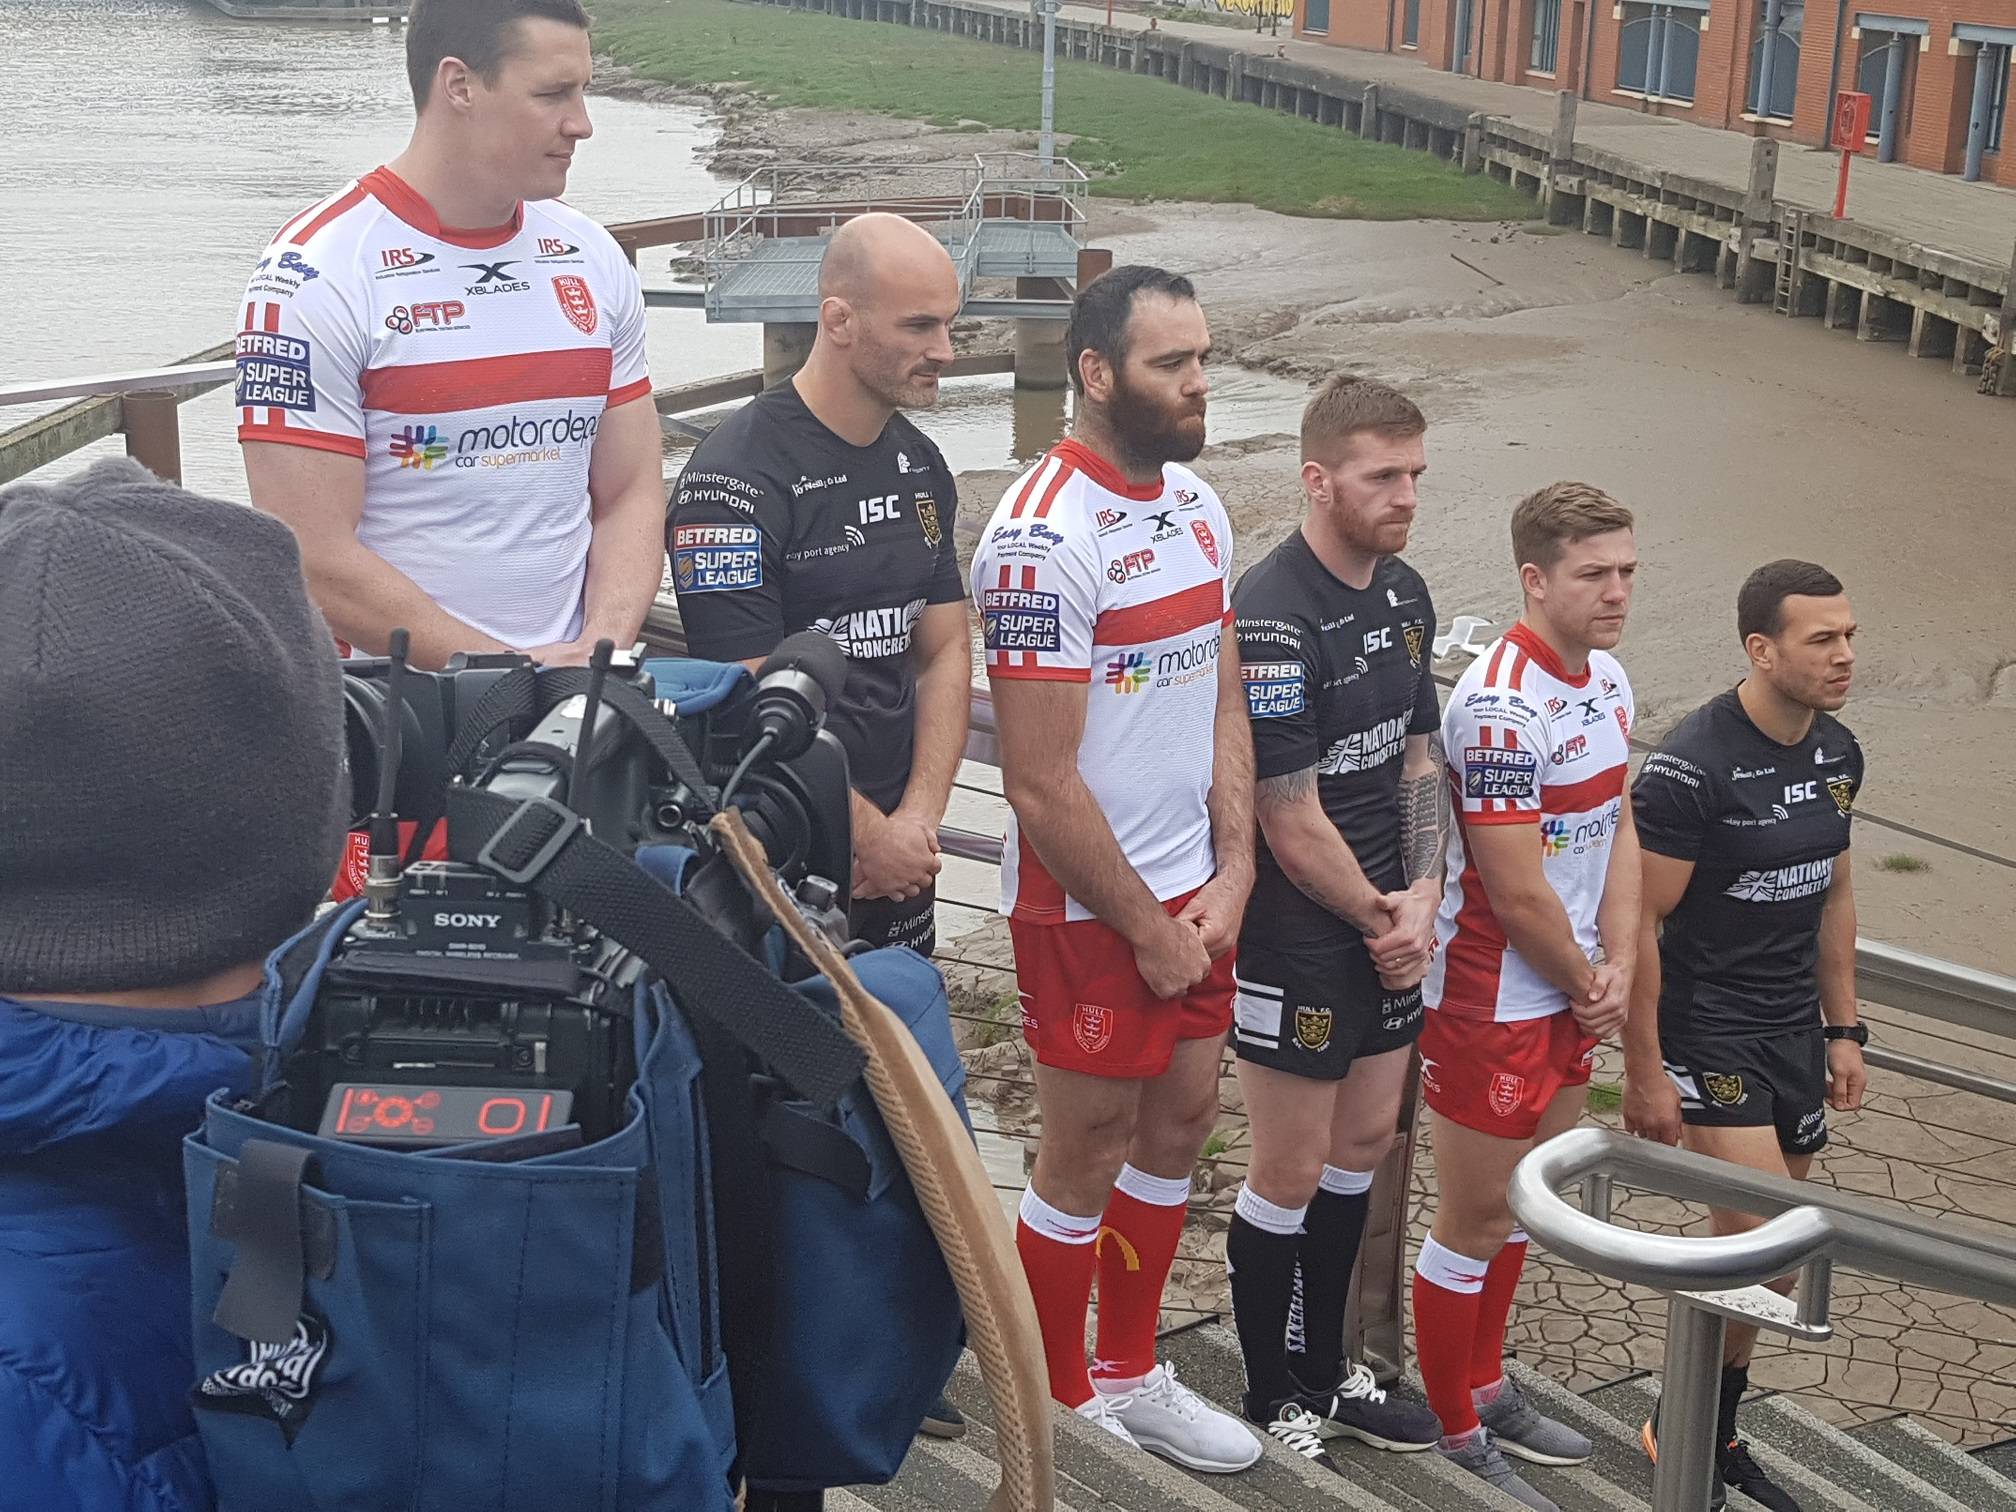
{"type": "Point", "coordinates": [1169, 1419]}
{"type": "Point", "coordinates": [1100, 1410]}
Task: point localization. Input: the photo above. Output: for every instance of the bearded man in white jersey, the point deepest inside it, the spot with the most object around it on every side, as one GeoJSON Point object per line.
{"type": "Point", "coordinates": [1104, 587]}
{"type": "Point", "coordinates": [441, 378]}
{"type": "Point", "coordinates": [1536, 937]}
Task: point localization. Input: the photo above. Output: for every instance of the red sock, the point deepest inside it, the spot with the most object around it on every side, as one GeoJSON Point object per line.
{"type": "Point", "coordinates": [1058, 1255]}
{"type": "Point", "coordinates": [1137, 1243]}
{"type": "Point", "coordinates": [1448, 1291]}
{"type": "Point", "coordinates": [1494, 1306]}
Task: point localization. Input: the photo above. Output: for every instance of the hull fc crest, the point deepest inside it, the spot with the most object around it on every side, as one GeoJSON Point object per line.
{"type": "Point", "coordinates": [1726, 1090]}
{"type": "Point", "coordinates": [927, 519]}
{"type": "Point", "coordinates": [1842, 790]}
{"type": "Point", "coordinates": [1505, 1092]}
{"type": "Point", "coordinates": [1312, 1027]}
{"type": "Point", "coordinates": [1092, 1027]}
{"type": "Point", "coordinates": [577, 303]}
{"type": "Point", "coordinates": [1414, 635]}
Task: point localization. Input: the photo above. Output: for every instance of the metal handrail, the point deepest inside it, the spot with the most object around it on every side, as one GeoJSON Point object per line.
{"type": "Point", "coordinates": [146, 380]}
{"type": "Point", "coordinates": [1804, 1222]}
{"type": "Point", "coordinates": [1808, 1229]}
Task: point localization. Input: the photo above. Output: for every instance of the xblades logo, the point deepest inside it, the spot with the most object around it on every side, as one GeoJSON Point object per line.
{"type": "Point", "coordinates": [496, 278]}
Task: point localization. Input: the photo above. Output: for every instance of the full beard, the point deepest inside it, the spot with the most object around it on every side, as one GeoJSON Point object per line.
{"type": "Point", "coordinates": [1152, 431]}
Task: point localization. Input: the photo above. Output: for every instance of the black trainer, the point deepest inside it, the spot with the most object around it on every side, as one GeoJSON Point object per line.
{"type": "Point", "coordinates": [1356, 1407]}
{"type": "Point", "coordinates": [943, 1421]}
{"type": "Point", "coordinates": [1742, 1473]}
{"type": "Point", "coordinates": [1718, 1491]}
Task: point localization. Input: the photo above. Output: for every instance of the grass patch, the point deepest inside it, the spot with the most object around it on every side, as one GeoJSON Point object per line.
{"type": "Point", "coordinates": [1605, 1097]}
{"type": "Point", "coordinates": [1217, 1144]}
{"type": "Point", "coordinates": [1897, 861]}
{"type": "Point", "coordinates": [1143, 137]}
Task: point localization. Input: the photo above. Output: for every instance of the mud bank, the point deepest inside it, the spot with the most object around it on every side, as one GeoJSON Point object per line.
{"type": "Point", "coordinates": [1540, 355]}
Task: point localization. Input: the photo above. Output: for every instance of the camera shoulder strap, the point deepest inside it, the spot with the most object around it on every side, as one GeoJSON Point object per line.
{"type": "Point", "coordinates": [523, 695]}
{"type": "Point", "coordinates": [541, 845]}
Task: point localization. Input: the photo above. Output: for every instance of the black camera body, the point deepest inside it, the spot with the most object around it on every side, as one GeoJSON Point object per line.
{"type": "Point", "coordinates": [461, 1006]}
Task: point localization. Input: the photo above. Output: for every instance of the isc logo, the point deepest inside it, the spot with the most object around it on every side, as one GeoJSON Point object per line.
{"type": "Point", "coordinates": [1801, 792]}
{"type": "Point", "coordinates": [1379, 640]}
{"type": "Point", "coordinates": [874, 511]}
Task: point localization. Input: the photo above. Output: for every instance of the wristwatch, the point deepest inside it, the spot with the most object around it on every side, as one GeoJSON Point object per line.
{"type": "Point", "coordinates": [1859, 1033]}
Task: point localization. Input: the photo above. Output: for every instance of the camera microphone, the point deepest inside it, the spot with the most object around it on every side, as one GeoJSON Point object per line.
{"type": "Point", "coordinates": [802, 679]}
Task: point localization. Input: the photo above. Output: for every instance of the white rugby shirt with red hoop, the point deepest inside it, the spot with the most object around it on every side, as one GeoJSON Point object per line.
{"type": "Point", "coordinates": [1081, 576]}
{"type": "Point", "coordinates": [469, 369]}
{"type": "Point", "coordinates": [1527, 744]}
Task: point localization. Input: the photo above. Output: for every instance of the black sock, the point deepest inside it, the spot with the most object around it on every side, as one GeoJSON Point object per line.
{"type": "Point", "coordinates": [1331, 1235]}
{"type": "Point", "coordinates": [1735, 1381]}
{"type": "Point", "coordinates": [1262, 1264]}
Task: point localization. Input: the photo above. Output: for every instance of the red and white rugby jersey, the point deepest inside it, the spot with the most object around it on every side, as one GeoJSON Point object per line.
{"type": "Point", "coordinates": [469, 369]}
{"type": "Point", "coordinates": [1528, 744]}
{"type": "Point", "coordinates": [1081, 576]}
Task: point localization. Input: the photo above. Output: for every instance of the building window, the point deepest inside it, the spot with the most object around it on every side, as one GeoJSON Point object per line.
{"type": "Point", "coordinates": [1775, 53]}
{"type": "Point", "coordinates": [1659, 48]}
{"type": "Point", "coordinates": [1316, 16]}
{"type": "Point", "coordinates": [1410, 25]}
{"type": "Point", "coordinates": [1879, 51]}
{"type": "Point", "coordinates": [1546, 36]}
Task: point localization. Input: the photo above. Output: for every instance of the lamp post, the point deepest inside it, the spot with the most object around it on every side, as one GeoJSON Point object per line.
{"type": "Point", "coordinates": [1047, 151]}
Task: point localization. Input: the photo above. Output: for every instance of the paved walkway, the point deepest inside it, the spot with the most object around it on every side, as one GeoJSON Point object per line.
{"type": "Point", "coordinates": [1935, 210]}
{"type": "Point", "coordinates": [1948, 1361]}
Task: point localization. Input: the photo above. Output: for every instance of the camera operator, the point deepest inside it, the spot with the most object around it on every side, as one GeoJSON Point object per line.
{"type": "Point", "coordinates": [441, 380]}
{"type": "Point", "coordinates": [171, 804]}
{"type": "Point", "coordinates": [820, 505]}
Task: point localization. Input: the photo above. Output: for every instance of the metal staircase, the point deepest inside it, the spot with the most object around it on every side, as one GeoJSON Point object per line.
{"type": "Point", "coordinates": [1001, 215]}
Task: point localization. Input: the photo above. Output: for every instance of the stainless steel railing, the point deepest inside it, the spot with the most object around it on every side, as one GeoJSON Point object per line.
{"type": "Point", "coordinates": [1808, 1229]}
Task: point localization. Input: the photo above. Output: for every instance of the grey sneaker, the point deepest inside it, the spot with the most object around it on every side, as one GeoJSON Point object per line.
{"type": "Point", "coordinates": [1479, 1455]}
{"type": "Point", "coordinates": [1520, 1429]}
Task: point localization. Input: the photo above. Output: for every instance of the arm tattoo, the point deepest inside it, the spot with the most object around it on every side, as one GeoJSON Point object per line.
{"type": "Point", "coordinates": [1424, 816]}
{"type": "Point", "coordinates": [1286, 790]}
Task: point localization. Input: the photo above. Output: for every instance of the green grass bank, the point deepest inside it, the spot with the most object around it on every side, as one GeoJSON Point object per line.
{"type": "Point", "coordinates": [1143, 138]}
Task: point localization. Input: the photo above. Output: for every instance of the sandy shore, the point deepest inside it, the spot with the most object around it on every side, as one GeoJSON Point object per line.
{"type": "Point", "coordinates": [1737, 437]}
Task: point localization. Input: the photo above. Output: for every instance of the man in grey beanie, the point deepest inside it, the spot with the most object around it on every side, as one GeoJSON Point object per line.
{"type": "Point", "coordinates": [172, 804]}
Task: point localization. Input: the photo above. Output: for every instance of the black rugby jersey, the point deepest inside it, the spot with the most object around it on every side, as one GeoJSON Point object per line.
{"type": "Point", "coordinates": [1336, 678]}
{"type": "Point", "coordinates": [778, 525]}
{"type": "Point", "coordinates": [1762, 824]}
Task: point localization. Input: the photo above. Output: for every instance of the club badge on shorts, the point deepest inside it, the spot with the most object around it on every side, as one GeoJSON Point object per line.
{"type": "Point", "coordinates": [1312, 1027]}
{"type": "Point", "coordinates": [1092, 1027]}
{"type": "Point", "coordinates": [1726, 1090]}
{"type": "Point", "coordinates": [1505, 1092]}
{"type": "Point", "coordinates": [577, 303]}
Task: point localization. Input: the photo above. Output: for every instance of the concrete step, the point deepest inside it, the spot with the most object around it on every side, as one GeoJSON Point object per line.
{"type": "Point", "coordinates": [2001, 1458]}
{"type": "Point", "coordinates": [1113, 1475]}
{"type": "Point", "coordinates": [1207, 1360]}
{"type": "Point", "coordinates": [1812, 1481]}
{"type": "Point", "coordinates": [948, 1475]}
{"type": "Point", "coordinates": [1922, 1453]}
{"type": "Point", "coordinates": [1616, 1476]}
{"type": "Point", "coordinates": [1846, 1461]}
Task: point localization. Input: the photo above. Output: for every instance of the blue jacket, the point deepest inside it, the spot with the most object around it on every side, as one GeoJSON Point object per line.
{"type": "Point", "coordinates": [95, 1365]}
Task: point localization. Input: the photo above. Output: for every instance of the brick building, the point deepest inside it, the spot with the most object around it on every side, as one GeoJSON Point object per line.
{"type": "Point", "coordinates": [1937, 71]}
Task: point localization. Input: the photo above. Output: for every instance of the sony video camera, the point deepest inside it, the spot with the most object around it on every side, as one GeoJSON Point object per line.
{"type": "Point", "coordinates": [462, 1006]}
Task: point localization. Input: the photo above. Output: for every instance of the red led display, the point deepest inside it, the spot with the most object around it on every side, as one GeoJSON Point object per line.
{"type": "Point", "coordinates": [405, 1116]}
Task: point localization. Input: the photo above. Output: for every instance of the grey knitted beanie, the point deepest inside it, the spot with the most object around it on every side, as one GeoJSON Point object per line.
{"type": "Point", "coordinates": [172, 789]}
